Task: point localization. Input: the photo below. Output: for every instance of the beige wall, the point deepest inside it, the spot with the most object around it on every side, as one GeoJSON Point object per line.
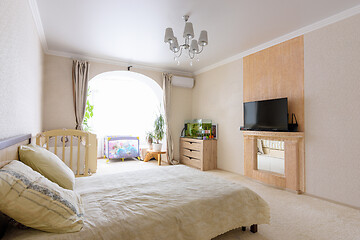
{"type": "Point", "coordinates": [181, 110]}
{"type": "Point", "coordinates": [58, 95]}
{"type": "Point", "coordinates": [218, 96]}
{"type": "Point", "coordinates": [21, 60]}
{"type": "Point", "coordinates": [58, 106]}
{"type": "Point", "coordinates": [332, 111]}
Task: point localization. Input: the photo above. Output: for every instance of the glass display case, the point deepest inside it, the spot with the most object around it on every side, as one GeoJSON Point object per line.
{"type": "Point", "coordinates": [198, 128]}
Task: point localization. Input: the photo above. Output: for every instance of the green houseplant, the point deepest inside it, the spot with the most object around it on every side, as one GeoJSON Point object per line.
{"type": "Point", "coordinates": [150, 139]}
{"type": "Point", "coordinates": [159, 132]}
{"type": "Point", "coordinates": [89, 113]}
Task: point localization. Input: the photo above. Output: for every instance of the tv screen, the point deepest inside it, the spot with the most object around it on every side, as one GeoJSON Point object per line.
{"type": "Point", "coordinates": [267, 115]}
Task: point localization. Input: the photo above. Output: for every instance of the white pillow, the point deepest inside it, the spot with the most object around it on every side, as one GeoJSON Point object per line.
{"type": "Point", "coordinates": [47, 164]}
{"type": "Point", "coordinates": [36, 202]}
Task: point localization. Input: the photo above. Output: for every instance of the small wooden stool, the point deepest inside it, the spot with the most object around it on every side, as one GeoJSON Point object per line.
{"type": "Point", "coordinates": [153, 154]}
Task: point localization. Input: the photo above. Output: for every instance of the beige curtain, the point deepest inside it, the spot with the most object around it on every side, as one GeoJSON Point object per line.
{"type": "Point", "coordinates": [80, 78]}
{"type": "Point", "coordinates": [167, 97]}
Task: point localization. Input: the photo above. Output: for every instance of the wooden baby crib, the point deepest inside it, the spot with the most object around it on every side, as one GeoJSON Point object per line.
{"type": "Point", "coordinates": [76, 148]}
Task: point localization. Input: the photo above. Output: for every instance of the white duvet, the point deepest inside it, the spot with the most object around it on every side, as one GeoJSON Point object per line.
{"type": "Point", "coordinates": [172, 202]}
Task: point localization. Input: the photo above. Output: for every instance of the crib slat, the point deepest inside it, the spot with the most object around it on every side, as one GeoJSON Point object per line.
{"type": "Point", "coordinates": [86, 170]}
{"type": "Point", "coordinates": [71, 152]}
{"type": "Point", "coordinates": [38, 137]}
{"type": "Point", "coordinates": [63, 149]}
{"type": "Point", "coordinates": [47, 142]}
{"type": "Point", "coordinates": [55, 150]}
{"type": "Point", "coordinates": [78, 156]}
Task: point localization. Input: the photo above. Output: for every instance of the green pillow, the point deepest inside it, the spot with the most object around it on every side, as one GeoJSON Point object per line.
{"type": "Point", "coordinates": [47, 164]}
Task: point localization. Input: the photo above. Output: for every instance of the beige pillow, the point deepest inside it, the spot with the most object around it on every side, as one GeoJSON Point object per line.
{"type": "Point", "coordinates": [36, 202]}
{"type": "Point", "coordinates": [48, 164]}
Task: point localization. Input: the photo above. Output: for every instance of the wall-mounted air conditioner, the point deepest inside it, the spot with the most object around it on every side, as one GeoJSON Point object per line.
{"type": "Point", "coordinates": [186, 82]}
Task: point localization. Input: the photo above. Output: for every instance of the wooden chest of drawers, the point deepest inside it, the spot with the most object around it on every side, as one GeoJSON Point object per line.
{"type": "Point", "coordinates": [201, 154]}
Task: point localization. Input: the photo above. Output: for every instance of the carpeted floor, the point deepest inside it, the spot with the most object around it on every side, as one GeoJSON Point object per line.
{"type": "Point", "coordinates": [293, 217]}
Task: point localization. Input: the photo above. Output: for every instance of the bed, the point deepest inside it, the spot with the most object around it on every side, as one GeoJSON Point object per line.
{"type": "Point", "coordinates": [75, 147]}
{"type": "Point", "coordinates": [178, 202]}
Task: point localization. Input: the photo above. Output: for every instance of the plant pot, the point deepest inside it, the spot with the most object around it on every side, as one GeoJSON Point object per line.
{"type": "Point", "coordinates": [157, 147]}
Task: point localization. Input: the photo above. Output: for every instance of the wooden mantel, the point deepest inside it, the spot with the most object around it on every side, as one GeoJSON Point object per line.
{"type": "Point", "coordinates": [274, 135]}
{"type": "Point", "coordinates": [294, 178]}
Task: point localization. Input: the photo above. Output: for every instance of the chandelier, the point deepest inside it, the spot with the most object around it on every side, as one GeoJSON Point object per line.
{"type": "Point", "coordinates": [192, 48]}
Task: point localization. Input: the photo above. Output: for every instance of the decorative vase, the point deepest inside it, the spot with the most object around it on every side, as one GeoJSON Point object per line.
{"type": "Point", "coordinates": [157, 147]}
{"type": "Point", "coordinates": [150, 146]}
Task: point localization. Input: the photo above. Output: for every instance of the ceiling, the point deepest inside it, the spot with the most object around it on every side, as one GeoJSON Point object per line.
{"type": "Point", "coordinates": [132, 31]}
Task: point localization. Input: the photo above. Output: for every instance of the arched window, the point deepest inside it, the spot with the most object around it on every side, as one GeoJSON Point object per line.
{"type": "Point", "coordinates": [125, 103]}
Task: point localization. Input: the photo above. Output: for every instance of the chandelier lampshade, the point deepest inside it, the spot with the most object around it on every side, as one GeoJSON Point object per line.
{"type": "Point", "coordinates": [169, 35]}
{"type": "Point", "coordinates": [188, 31]}
{"type": "Point", "coordinates": [194, 46]}
{"type": "Point", "coordinates": [203, 39]}
{"type": "Point", "coordinates": [174, 45]}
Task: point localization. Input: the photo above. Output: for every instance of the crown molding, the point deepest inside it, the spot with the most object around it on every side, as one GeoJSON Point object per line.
{"type": "Point", "coordinates": [39, 27]}
{"type": "Point", "coordinates": [312, 27]}
{"type": "Point", "coordinates": [115, 62]}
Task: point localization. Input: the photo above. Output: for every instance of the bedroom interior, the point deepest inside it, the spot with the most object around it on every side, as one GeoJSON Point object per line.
{"type": "Point", "coordinates": [257, 184]}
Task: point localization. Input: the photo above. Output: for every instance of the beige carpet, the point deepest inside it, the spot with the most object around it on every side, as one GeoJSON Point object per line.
{"type": "Point", "coordinates": [293, 217]}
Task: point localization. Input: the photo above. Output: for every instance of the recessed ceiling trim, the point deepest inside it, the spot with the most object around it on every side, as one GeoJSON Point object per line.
{"type": "Point", "coordinates": [115, 62]}
{"type": "Point", "coordinates": [39, 27]}
{"type": "Point", "coordinates": [312, 27]}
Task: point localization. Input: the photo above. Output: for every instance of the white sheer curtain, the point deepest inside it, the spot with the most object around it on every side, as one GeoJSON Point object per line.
{"type": "Point", "coordinates": [80, 78]}
{"type": "Point", "coordinates": [167, 103]}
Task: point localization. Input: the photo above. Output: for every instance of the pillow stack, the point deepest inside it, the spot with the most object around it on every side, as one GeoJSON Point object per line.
{"type": "Point", "coordinates": [39, 194]}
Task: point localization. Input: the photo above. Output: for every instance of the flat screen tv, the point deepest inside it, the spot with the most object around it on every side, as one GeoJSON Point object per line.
{"type": "Point", "coordinates": [266, 115]}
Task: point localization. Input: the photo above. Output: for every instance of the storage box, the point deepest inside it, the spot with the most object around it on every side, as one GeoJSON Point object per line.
{"type": "Point", "coordinates": [121, 147]}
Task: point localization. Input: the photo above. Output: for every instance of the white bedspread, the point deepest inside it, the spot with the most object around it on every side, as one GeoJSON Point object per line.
{"type": "Point", "coordinates": [166, 203]}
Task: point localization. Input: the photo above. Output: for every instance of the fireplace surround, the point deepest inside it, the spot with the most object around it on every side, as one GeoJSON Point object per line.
{"type": "Point", "coordinates": [294, 177]}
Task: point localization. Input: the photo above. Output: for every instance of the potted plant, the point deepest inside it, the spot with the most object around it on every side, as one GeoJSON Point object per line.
{"type": "Point", "coordinates": [158, 132]}
{"type": "Point", "coordinates": [89, 113]}
{"type": "Point", "coordinates": [150, 139]}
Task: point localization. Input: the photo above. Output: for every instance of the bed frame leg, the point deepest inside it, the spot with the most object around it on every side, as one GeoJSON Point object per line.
{"type": "Point", "coordinates": [253, 228]}
{"type": "Point", "coordinates": [243, 228]}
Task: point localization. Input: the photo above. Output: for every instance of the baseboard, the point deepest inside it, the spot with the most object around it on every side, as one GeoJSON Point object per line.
{"type": "Point", "coordinates": [272, 186]}
{"type": "Point", "coordinates": [332, 201]}
{"type": "Point", "coordinates": [304, 193]}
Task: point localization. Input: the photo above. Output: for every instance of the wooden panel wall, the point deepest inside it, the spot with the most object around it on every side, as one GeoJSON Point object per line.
{"type": "Point", "coordinates": [277, 72]}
